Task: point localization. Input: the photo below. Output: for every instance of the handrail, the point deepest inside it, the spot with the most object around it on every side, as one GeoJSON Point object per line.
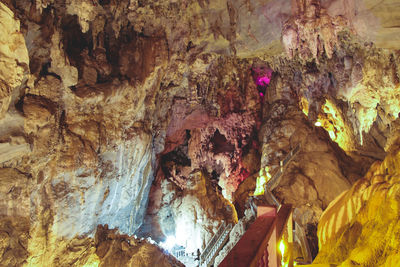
{"type": "Point", "coordinates": [212, 242]}
{"type": "Point", "coordinates": [223, 238]}
{"type": "Point", "coordinates": [274, 181]}
{"type": "Point", "coordinates": [269, 186]}
{"type": "Point", "coordinates": [220, 232]}
{"type": "Point", "coordinates": [299, 232]}
{"type": "Point", "coordinates": [281, 220]}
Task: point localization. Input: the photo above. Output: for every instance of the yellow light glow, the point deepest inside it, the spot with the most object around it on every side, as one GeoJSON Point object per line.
{"type": "Point", "coordinates": [333, 122]}
{"type": "Point", "coordinates": [267, 173]}
{"type": "Point", "coordinates": [332, 135]}
{"type": "Point", "coordinates": [262, 180]}
{"type": "Point", "coordinates": [282, 247]}
{"type": "Point", "coordinates": [93, 261]}
{"type": "Point", "coordinates": [304, 105]}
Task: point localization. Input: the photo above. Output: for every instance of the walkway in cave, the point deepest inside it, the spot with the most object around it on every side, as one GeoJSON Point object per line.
{"type": "Point", "coordinates": [266, 228]}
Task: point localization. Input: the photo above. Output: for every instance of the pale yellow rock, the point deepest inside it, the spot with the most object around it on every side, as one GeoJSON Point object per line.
{"type": "Point", "coordinates": [368, 233]}
{"type": "Point", "coordinates": [85, 10]}
{"type": "Point", "coordinates": [14, 60]}
{"type": "Point", "coordinates": [60, 63]}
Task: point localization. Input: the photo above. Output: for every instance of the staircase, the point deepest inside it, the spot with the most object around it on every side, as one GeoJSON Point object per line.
{"type": "Point", "coordinates": [215, 245]}
{"type": "Point", "coordinates": [266, 222]}
{"type": "Point", "coordinates": [274, 181]}
{"type": "Point", "coordinates": [257, 247]}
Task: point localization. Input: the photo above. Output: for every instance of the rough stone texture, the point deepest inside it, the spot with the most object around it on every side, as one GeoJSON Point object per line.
{"type": "Point", "coordinates": [196, 212]}
{"type": "Point", "coordinates": [14, 217]}
{"type": "Point", "coordinates": [14, 58]}
{"type": "Point", "coordinates": [89, 154]}
{"type": "Point", "coordinates": [316, 175]}
{"type": "Point", "coordinates": [361, 226]}
{"type": "Point", "coordinates": [113, 249]}
{"type": "Point", "coordinates": [14, 55]}
{"type": "Point", "coordinates": [311, 32]}
{"type": "Point", "coordinates": [98, 98]}
{"type": "Point", "coordinates": [371, 21]}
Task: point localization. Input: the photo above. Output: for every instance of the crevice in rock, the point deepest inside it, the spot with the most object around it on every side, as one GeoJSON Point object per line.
{"type": "Point", "coordinates": [220, 144]}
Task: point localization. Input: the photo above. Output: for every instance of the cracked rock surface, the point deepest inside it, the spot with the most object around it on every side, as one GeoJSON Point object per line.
{"type": "Point", "coordinates": [137, 117]}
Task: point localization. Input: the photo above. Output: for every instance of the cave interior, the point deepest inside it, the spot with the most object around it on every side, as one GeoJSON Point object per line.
{"type": "Point", "coordinates": [199, 133]}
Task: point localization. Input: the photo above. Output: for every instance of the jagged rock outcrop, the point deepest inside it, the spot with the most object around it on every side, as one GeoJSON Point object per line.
{"type": "Point", "coordinates": [195, 212]}
{"type": "Point", "coordinates": [316, 175]}
{"type": "Point", "coordinates": [14, 62]}
{"type": "Point", "coordinates": [113, 249]}
{"type": "Point", "coordinates": [14, 217]}
{"type": "Point", "coordinates": [361, 226]}
{"type": "Point", "coordinates": [99, 99]}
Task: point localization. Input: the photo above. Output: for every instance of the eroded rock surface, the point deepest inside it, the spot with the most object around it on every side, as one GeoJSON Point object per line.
{"type": "Point", "coordinates": [102, 102]}
{"type": "Point", "coordinates": [14, 62]}
{"type": "Point", "coordinates": [196, 212]}
{"type": "Point", "coordinates": [361, 226]}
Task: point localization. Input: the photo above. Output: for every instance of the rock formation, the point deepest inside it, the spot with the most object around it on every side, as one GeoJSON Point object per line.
{"type": "Point", "coordinates": [361, 226]}
{"type": "Point", "coordinates": [152, 118]}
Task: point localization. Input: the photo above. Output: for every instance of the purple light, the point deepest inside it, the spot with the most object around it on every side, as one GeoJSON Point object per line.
{"type": "Point", "coordinates": [265, 80]}
{"type": "Point", "coordinates": [262, 77]}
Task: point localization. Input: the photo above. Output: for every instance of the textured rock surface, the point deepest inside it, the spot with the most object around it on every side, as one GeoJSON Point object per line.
{"type": "Point", "coordinates": [196, 212]}
{"type": "Point", "coordinates": [113, 249]}
{"type": "Point", "coordinates": [361, 226]}
{"type": "Point", "coordinates": [371, 21]}
{"type": "Point", "coordinates": [316, 175]}
{"type": "Point", "coordinates": [100, 101]}
{"type": "Point", "coordinates": [14, 58]}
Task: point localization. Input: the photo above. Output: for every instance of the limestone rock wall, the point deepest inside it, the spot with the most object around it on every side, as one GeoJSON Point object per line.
{"type": "Point", "coordinates": [14, 62]}
{"type": "Point", "coordinates": [361, 226]}
{"type": "Point", "coordinates": [99, 99]}
{"type": "Point", "coordinates": [190, 217]}
{"type": "Point", "coordinates": [77, 156]}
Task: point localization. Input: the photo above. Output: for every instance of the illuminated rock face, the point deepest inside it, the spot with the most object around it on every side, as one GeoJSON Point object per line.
{"type": "Point", "coordinates": [106, 106]}
{"type": "Point", "coordinates": [315, 176]}
{"type": "Point", "coordinates": [192, 216]}
{"type": "Point", "coordinates": [14, 58]}
{"type": "Point", "coordinates": [361, 226]}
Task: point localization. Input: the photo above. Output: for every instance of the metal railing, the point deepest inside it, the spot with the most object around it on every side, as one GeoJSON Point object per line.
{"type": "Point", "coordinates": [305, 249]}
{"type": "Point", "coordinates": [212, 242]}
{"type": "Point", "coordinates": [216, 248]}
{"type": "Point", "coordinates": [221, 236]}
{"type": "Point", "coordinates": [270, 198]}
{"type": "Point", "coordinates": [274, 181]}
{"type": "Point", "coordinates": [180, 253]}
{"type": "Point", "coordinates": [215, 245]}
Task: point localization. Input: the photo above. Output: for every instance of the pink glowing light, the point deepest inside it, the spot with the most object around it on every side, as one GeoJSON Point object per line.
{"type": "Point", "coordinates": [261, 94]}
{"type": "Point", "coordinates": [263, 80]}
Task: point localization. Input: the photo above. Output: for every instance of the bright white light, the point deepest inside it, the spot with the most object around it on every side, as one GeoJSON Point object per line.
{"type": "Point", "coordinates": [318, 124]}
{"type": "Point", "coordinates": [169, 243]}
{"type": "Point", "coordinates": [282, 247]}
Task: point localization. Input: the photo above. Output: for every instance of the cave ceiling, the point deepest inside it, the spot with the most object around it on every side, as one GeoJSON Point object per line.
{"type": "Point", "coordinates": [144, 115]}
